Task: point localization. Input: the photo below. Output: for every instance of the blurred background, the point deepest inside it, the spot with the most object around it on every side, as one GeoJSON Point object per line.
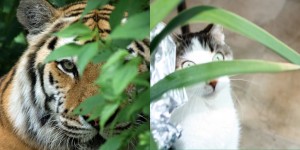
{"type": "Point", "coordinates": [268, 104]}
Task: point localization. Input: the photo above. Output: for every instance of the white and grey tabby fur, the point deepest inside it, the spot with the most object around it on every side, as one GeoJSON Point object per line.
{"type": "Point", "coordinates": [209, 119]}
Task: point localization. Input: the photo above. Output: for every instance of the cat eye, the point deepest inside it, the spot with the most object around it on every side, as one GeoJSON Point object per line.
{"type": "Point", "coordinates": [218, 57]}
{"type": "Point", "coordinates": [187, 63]}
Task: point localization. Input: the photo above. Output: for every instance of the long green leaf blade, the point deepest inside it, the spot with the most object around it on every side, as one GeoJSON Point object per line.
{"type": "Point", "coordinates": [232, 22]}
{"type": "Point", "coordinates": [159, 9]}
{"type": "Point", "coordinates": [213, 70]}
{"type": "Point", "coordinates": [115, 142]}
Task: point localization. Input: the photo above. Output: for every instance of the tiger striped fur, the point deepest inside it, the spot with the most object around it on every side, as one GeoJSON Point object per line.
{"type": "Point", "coordinates": [36, 99]}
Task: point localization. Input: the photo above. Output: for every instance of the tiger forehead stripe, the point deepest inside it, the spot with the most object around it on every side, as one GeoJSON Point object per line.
{"type": "Point", "coordinates": [73, 13]}
{"type": "Point", "coordinates": [73, 6]}
{"type": "Point", "coordinates": [81, 6]}
{"type": "Point", "coordinates": [102, 17]}
{"type": "Point", "coordinates": [46, 37]}
{"type": "Point", "coordinates": [52, 43]}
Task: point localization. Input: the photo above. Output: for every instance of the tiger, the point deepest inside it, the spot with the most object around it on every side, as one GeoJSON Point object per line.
{"type": "Point", "coordinates": [37, 98]}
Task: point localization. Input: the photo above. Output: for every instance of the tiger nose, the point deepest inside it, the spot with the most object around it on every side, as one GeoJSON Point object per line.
{"type": "Point", "coordinates": [94, 122]}
{"type": "Point", "coordinates": [213, 84]}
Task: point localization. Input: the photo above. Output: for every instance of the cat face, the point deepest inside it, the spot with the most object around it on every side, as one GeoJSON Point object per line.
{"type": "Point", "coordinates": [201, 47]}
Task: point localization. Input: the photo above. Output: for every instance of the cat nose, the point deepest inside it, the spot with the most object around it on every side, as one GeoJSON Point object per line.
{"type": "Point", "coordinates": [213, 84]}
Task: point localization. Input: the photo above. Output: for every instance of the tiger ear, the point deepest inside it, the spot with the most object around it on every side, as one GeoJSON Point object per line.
{"type": "Point", "coordinates": [35, 14]}
{"type": "Point", "coordinates": [216, 32]}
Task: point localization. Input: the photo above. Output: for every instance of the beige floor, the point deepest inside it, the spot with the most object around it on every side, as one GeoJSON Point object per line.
{"type": "Point", "coordinates": [268, 104]}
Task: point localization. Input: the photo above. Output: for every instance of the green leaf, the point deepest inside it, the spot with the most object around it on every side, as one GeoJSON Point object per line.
{"type": "Point", "coordinates": [136, 27]}
{"type": "Point", "coordinates": [118, 14]}
{"type": "Point", "coordinates": [122, 6]}
{"type": "Point", "coordinates": [92, 4]}
{"type": "Point", "coordinates": [21, 39]}
{"type": "Point", "coordinates": [142, 132]}
{"type": "Point", "coordinates": [108, 110]}
{"type": "Point", "coordinates": [115, 59]}
{"type": "Point", "coordinates": [121, 43]}
{"type": "Point", "coordinates": [204, 72]}
{"type": "Point", "coordinates": [142, 79]}
{"type": "Point", "coordinates": [109, 70]}
{"type": "Point", "coordinates": [110, 67]}
{"type": "Point", "coordinates": [125, 75]}
{"type": "Point", "coordinates": [153, 145]}
{"type": "Point", "coordinates": [116, 75]}
{"type": "Point", "coordinates": [230, 21]}
{"type": "Point", "coordinates": [132, 110]}
{"type": "Point", "coordinates": [58, 3]}
{"type": "Point", "coordinates": [144, 138]}
{"type": "Point", "coordinates": [74, 30]}
{"type": "Point", "coordinates": [103, 56]}
{"type": "Point", "coordinates": [91, 104]}
{"type": "Point", "coordinates": [88, 36]}
{"type": "Point", "coordinates": [64, 51]}
{"type": "Point", "coordinates": [159, 9]}
{"type": "Point", "coordinates": [116, 142]}
{"type": "Point", "coordinates": [87, 53]}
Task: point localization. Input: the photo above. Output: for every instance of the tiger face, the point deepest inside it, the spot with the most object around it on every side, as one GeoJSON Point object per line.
{"type": "Point", "coordinates": [44, 95]}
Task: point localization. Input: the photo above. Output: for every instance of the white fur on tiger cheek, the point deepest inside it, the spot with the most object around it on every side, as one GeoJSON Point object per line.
{"type": "Point", "coordinates": [15, 106]}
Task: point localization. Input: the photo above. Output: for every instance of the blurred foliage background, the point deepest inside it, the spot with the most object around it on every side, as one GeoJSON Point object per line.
{"type": "Point", "coordinates": [12, 41]}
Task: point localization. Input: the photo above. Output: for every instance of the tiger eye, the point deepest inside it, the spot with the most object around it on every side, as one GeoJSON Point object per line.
{"type": "Point", "coordinates": [68, 65]}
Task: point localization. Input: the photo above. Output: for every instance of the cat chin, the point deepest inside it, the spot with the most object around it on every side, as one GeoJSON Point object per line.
{"type": "Point", "coordinates": [208, 122]}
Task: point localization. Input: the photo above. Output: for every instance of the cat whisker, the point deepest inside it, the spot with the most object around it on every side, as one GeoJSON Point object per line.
{"type": "Point", "coordinates": [244, 91]}
{"type": "Point", "coordinates": [243, 80]}
{"type": "Point", "coordinates": [238, 87]}
{"type": "Point", "coordinates": [236, 99]}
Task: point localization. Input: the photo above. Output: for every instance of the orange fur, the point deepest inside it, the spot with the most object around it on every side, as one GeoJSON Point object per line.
{"type": "Point", "coordinates": [9, 141]}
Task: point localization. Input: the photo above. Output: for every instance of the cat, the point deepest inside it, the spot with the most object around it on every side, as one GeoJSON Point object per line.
{"type": "Point", "coordinates": [209, 119]}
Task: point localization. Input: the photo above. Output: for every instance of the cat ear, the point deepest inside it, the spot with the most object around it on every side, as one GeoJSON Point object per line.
{"type": "Point", "coordinates": [216, 32]}
{"type": "Point", "coordinates": [35, 14]}
{"type": "Point", "coordinates": [177, 39]}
